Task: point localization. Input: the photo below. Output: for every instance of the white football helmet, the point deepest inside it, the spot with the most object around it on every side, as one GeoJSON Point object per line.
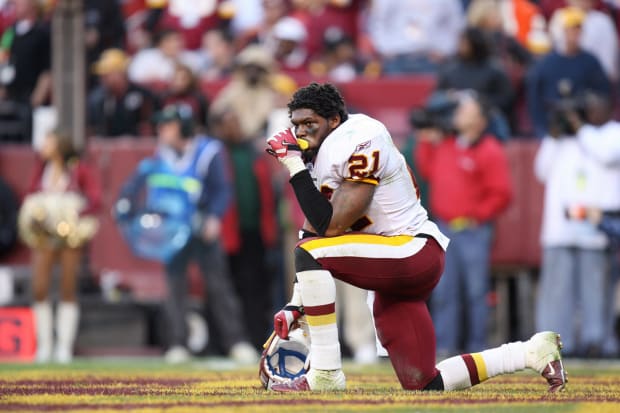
{"type": "Point", "coordinates": [284, 360]}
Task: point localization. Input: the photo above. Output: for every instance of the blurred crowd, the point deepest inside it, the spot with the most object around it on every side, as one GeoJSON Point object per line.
{"type": "Point", "coordinates": [546, 69]}
{"type": "Point", "coordinates": [141, 54]}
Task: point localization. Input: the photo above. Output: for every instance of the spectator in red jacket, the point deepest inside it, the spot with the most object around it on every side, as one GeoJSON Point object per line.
{"type": "Point", "coordinates": [470, 186]}
{"type": "Point", "coordinates": [50, 235]}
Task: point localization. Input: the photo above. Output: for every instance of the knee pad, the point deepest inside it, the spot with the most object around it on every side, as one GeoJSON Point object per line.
{"type": "Point", "coordinates": [304, 261]}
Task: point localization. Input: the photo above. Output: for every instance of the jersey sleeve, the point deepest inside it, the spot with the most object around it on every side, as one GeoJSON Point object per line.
{"type": "Point", "coordinates": [363, 161]}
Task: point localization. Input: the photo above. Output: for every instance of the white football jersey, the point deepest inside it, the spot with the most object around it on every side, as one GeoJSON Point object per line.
{"type": "Point", "coordinates": [361, 149]}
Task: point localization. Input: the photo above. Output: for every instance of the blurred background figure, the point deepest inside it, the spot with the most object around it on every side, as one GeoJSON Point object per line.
{"type": "Point", "coordinates": [191, 18]}
{"type": "Point", "coordinates": [249, 93]}
{"type": "Point", "coordinates": [184, 89]}
{"type": "Point", "coordinates": [598, 138]}
{"type": "Point", "coordinates": [8, 218]}
{"type": "Point", "coordinates": [55, 223]}
{"type": "Point", "coordinates": [246, 14]}
{"type": "Point", "coordinates": [523, 20]}
{"type": "Point", "coordinates": [566, 72]}
{"type": "Point", "coordinates": [25, 56]}
{"type": "Point", "coordinates": [104, 29]}
{"type": "Point", "coordinates": [473, 68]}
{"type": "Point", "coordinates": [217, 55]}
{"type": "Point", "coordinates": [291, 218]}
{"type": "Point", "coordinates": [338, 61]}
{"type": "Point", "coordinates": [469, 181]}
{"type": "Point", "coordinates": [506, 49]}
{"type": "Point", "coordinates": [322, 16]}
{"type": "Point", "coordinates": [118, 107]}
{"type": "Point", "coordinates": [599, 35]}
{"type": "Point", "coordinates": [250, 228]}
{"type": "Point", "coordinates": [509, 54]}
{"type": "Point", "coordinates": [404, 33]}
{"type": "Point", "coordinates": [290, 51]}
{"type": "Point", "coordinates": [25, 67]}
{"type": "Point", "coordinates": [186, 183]}
{"type": "Point", "coordinates": [580, 168]}
{"type": "Point", "coordinates": [273, 11]}
{"type": "Point", "coordinates": [157, 64]}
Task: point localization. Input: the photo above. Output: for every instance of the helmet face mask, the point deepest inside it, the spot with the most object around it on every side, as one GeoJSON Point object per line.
{"type": "Point", "coordinates": [284, 360]}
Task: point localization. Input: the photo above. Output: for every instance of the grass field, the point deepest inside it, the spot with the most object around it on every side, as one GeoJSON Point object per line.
{"type": "Point", "coordinates": [217, 386]}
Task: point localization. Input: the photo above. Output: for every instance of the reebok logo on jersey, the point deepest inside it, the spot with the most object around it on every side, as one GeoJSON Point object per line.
{"type": "Point", "coordinates": [362, 146]}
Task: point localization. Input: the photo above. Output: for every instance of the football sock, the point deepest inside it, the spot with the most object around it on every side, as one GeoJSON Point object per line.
{"type": "Point", "coordinates": [43, 322]}
{"type": "Point", "coordinates": [467, 370]}
{"type": "Point", "coordinates": [67, 318]}
{"type": "Point", "coordinates": [318, 295]}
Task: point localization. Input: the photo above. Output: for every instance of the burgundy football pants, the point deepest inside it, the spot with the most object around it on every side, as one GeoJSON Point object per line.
{"type": "Point", "coordinates": [402, 270]}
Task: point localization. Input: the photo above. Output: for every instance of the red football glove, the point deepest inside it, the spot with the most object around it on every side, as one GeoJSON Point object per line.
{"type": "Point", "coordinates": [283, 145]}
{"type": "Point", "coordinates": [284, 318]}
{"type": "Point", "coordinates": [285, 148]}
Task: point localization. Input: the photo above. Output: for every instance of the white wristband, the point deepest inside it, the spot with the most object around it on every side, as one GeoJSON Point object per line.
{"type": "Point", "coordinates": [294, 164]}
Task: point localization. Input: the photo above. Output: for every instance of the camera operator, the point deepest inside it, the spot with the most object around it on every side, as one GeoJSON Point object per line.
{"type": "Point", "coordinates": [470, 186]}
{"type": "Point", "coordinates": [427, 125]}
{"type": "Point", "coordinates": [579, 163]}
{"type": "Point", "coordinates": [600, 139]}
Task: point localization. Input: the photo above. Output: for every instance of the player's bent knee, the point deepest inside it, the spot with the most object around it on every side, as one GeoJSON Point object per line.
{"type": "Point", "coordinates": [304, 261]}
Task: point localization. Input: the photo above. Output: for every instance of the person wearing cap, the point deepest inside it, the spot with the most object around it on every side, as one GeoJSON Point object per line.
{"type": "Point", "coordinates": [187, 181]}
{"type": "Point", "coordinates": [250, 92]}
{"type": "Point", "coordinates": [598, 35]}
{"type": "Point", "coordinates": [118, 107]}
{"type": "Point", "coordinates": [565, 73]}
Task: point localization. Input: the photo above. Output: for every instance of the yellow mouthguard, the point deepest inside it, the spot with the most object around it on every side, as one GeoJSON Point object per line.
{"type": "Point", "coordinates": [303, 144]}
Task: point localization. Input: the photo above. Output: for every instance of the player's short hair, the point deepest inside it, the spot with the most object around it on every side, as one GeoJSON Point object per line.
{"type": "Point", "coordinates": [324, 99]}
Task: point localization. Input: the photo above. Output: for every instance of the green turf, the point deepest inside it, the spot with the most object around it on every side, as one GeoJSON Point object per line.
{"type": "Point", "coordinates": [218, 385]}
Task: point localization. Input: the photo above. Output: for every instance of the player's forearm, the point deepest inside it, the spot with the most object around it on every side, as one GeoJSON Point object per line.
{"type": "Point", "coordinates": [317, 209]}
{"type": "Point", "coordinates": [350, 202]}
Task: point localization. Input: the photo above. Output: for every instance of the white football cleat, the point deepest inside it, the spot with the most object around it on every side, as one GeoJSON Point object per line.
{"type": "Point", "coordinates": [314, 380]}
{"type": "Point", "coordinates": [543, 355]}
{"type": "Point", "coordinates": [326, 379]}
